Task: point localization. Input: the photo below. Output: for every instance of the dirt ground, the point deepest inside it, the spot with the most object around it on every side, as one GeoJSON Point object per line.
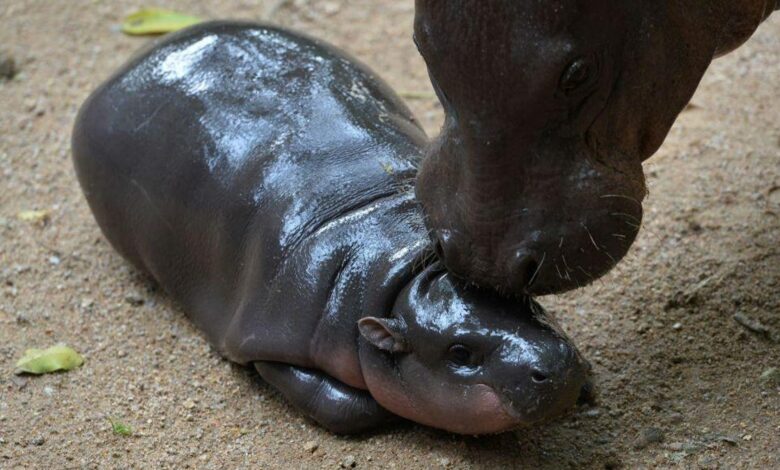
{"type": "Point", "coordinates": [678, 377]}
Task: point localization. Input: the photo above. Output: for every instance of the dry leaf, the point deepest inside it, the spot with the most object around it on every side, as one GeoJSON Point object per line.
{"type": "Point", "coordinates": [41, 216]}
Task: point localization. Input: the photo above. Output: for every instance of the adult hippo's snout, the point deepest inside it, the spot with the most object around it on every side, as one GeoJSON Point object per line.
{"type": "Point", "coordinates": [545, 228]}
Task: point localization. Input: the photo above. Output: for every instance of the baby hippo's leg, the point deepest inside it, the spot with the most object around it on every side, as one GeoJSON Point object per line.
{"type": "Point", "coordinates": [334, 405]}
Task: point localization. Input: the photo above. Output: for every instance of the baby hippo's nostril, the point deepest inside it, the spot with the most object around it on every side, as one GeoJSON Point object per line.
{"type": "Point", "coordinates": [539, 377]}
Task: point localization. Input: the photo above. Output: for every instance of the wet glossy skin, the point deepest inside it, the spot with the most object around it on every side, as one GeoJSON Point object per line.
{"type": "Point", "coordinates": [535, 184]}
{"type": "Point", "coordinates": [265, 181]}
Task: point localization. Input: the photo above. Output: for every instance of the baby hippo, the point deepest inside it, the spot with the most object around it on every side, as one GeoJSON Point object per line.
{"type": "Point", "coordinates": [265, 181]}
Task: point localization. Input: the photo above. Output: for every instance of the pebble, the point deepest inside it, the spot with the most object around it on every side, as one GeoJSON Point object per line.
{"type": "Point", "coordinates": [38, 441]}
{"type": "Point", "coordinates": [649, 436]}
{"type": "Point", "coordinates": [349, 462]}
{"type": "Point", "coordinates": [7, 66]}
{"type": "Point", "coordinates": [55, 260]}
{"type": "Point", "coordinates": [675, 418]}
{"type": "Point", "coordinates": [311, 446]}
{"type": "Point", "coordinates": [591, 413]}
{"type": "Point", "coordinates": [752, 325]}
{"type": "Point", "coordinates": [189, 404]}
{"type": "Point", "coordinates": [771, 377]}
{"type": "Point", "coordinates": [731, 440]}
{"type": "Point", "coordinates": [675, 446]}
{"type": "Point", "coordinates": [20, 382]}
{"type": "Point", "coordinates": [331, 8]}
{"type": "Point", "coordinates": [134, 299]}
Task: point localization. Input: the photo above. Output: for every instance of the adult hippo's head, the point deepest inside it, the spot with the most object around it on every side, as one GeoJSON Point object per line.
{"type": "Point", "coordinates": [535, 184]}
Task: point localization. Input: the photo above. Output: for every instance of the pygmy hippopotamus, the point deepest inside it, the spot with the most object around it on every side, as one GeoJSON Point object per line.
{"type": "Point", "coordinates": [265, 180]}
{"type": "Point", "coordinates": [535, 184]}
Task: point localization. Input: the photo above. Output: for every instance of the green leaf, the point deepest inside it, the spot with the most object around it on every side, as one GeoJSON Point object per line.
{"type": "Point", "coordinates": [44, 361]}
{"type": "Point", "coordinates": [156, 21]}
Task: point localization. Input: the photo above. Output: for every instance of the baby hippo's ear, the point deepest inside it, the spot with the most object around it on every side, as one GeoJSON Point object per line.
{"type": "Point", "coordinates": [383, 333]}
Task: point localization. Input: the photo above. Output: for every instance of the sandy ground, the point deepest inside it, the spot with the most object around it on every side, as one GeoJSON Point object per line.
{"type": "Point", "coordinates": [678, 376]}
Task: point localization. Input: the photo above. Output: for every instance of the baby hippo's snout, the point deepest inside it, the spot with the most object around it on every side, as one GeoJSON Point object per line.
{"type": "Point", "coordinates": [543, 379]}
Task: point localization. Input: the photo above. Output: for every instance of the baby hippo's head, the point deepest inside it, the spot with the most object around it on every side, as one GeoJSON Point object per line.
{"type": "Point", "coordinates": [469, 361]}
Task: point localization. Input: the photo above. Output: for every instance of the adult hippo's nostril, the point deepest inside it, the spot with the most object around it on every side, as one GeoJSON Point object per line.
{"type": "Point", "coordinates": [449, 251]}
{"type": "Point", "coordinates": [438, 250]}
{"type": "Point", "coordinates": [523, 268]}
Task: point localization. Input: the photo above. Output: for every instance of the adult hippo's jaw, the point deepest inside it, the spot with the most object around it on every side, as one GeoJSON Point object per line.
{"type": "Point", "coordinates": [535, 184]}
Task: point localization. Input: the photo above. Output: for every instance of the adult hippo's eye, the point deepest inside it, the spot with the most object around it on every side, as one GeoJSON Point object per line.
{"type": "Point", "coordinates": [460, 355]}
{"type": "Point", "coordinates": [577, 75]}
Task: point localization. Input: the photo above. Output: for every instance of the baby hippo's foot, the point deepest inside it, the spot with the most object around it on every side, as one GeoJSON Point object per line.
{"type": "Point", "coordinates": [335, 406]}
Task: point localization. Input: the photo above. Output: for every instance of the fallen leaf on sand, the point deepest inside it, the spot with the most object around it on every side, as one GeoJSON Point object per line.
{"type": "Point", "coordinates": [34, 216]}
{"type": "Point", "coordinates": [44, 361]}
{"type": "Point", "coordinates": [156, 21]}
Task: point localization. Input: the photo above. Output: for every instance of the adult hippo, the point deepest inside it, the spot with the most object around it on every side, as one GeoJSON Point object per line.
{"type": "Point", "coordinates": [265, 181]}
{"type": "Point", "coordinates": [535, 184]}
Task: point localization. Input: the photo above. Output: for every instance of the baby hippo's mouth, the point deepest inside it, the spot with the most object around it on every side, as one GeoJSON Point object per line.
{"type": "Point", "coordinates": [525, 416]}
{"type": "Point", "coordinates": [501, 411]}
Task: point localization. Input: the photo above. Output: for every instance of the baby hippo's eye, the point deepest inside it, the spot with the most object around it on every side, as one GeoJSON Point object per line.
{"type": "Point", "coordinates": [460, 355]}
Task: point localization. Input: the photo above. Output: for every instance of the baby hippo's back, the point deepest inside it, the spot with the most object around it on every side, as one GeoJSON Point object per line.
{"type": "Point", "coordinates": [211, 157]}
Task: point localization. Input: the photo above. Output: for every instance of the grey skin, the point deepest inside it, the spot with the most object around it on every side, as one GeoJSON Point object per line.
{"type": "Point", "coordinates": [535, 184]}
{"type": "Point", "coordinates": [265, 181]}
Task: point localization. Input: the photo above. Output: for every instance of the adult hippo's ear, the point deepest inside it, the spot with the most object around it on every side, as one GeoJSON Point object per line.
{"type": "Point", "coordinates": [386, 334]}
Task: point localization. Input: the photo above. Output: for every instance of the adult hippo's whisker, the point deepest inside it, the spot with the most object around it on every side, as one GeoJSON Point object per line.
{"type": "Point", "coordinates": [634, 225]}
{"type": "Point", "coordinates": [586, 273]}
{"type": "Point", "coordinates": [538, 268]}
{"type": "Point", "coordinates": [593, 240]}
{"type": "Point", "coordinates": [566, 265]}
{"type": "Point", "coordinates": [612, 258]}
{"type": "Point", "coordinates": [622, 196]}
{"type": "Point", "coordinates": [629, 216]}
